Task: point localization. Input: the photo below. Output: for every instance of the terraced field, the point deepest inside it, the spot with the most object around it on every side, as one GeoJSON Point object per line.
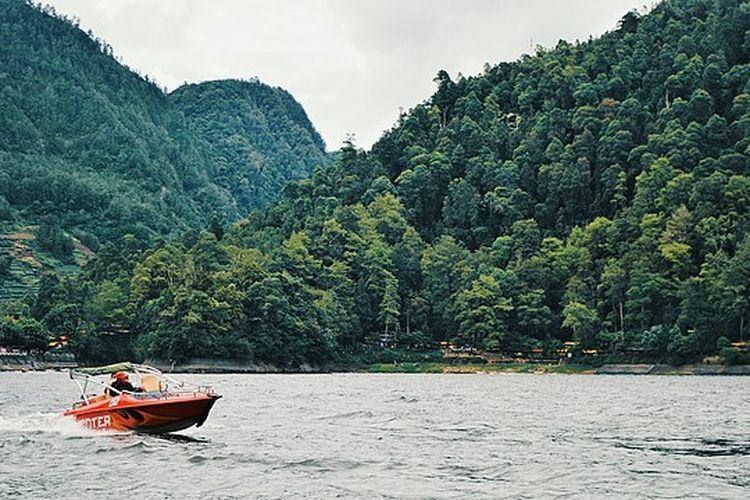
{"type": "Point", "coordinates": [28, 261]}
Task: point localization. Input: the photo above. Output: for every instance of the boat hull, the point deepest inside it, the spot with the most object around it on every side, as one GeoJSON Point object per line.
{"type": "Point", "coordinates": [156, 415]}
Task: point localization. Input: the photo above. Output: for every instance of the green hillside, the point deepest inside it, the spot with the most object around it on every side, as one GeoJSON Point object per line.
{"type": "Point", "coordinates": [94, 151]}
{"type": "Point", "coordinates": [105, 152]}
{"type": "Point", "coordinates": [25, 258]}
{"type": "Point", "coordinates": [595, 192]}
{"type": "Point", "coordinates": [261, 136]}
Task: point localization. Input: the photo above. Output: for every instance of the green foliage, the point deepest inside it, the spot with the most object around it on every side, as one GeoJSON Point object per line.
{"type": "Point", "coordinates": [732, 355]}
{"type": "Point", "coordinates": [34, 334]}
{"type": "Point", "coordinates": [25, 333]}
{"type": "Point", "coordinates": [260, 137]}
{"type": "Point", "coordinates": [55, 241]}
{"type": "Point", "coordinates": [216, 228]}
{"type": "Point", "coordinates": [10, 333]}
{"type": "Point", "coordinates": [597, 191]}
{"type": "Point", "coordinates": [109, 153]}
{"type": "Point", "coordinates": [483, 313]}
{"type": "Point", "coordinates": [6, 259]}
{"type": "Point", "coordinates": [584, 322]}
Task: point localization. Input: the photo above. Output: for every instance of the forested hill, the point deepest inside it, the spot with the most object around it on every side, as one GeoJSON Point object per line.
{"type": "Point", "coordinates": [595, 191]}
{"type": "Point", "coordinates": [90, 147]}
{"type": "Point", "coordinates": [261, 135]}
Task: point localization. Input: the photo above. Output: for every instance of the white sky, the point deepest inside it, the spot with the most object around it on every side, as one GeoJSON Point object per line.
{"type": "Point", "coordinates": [351, 63]}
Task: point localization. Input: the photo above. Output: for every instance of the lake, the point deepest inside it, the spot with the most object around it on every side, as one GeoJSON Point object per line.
{"type": "Point", "coordinates": [395, 436]}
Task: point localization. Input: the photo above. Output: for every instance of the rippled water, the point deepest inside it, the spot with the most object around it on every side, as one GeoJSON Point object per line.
{"type": "Point", "coordinates": [399, 436]}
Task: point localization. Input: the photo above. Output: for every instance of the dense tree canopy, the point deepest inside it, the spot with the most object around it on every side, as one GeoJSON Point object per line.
{"type": "Point", "coordinates": [595, 192]}
{"type": "Point", "coordinates": [260, 135]}
{"type": "Point", "coordinates": [109, 153]}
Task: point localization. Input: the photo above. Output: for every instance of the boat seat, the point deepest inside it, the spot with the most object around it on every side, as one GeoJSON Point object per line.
{"type": "Point", "coordinates": [150, 382]}
{"type": "Point", "coordinates": [97, 398]}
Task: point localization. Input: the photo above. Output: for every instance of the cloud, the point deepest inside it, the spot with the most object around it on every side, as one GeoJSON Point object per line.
{"type": "Point", "coordinates": [351, 63]}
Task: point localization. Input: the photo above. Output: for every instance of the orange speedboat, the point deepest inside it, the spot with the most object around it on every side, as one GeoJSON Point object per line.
{"type": "Point", "coordinates": [159, 405]}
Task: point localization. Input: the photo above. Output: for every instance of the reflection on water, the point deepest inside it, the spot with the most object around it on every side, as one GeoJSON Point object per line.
{"type": "Point", "coordinates": [181, 438]}
{"type": "Point", "coordinates": [395, 436]}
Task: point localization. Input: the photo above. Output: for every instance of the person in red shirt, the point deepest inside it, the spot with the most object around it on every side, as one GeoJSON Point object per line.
{"type": "Point", "coordinates": [122, 383]}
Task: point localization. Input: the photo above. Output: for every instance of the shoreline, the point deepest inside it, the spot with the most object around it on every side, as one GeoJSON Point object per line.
{"type": "Point", "coordinates": [568, 369]}
{"type": "Point", "coordinates": [28, 363]}
{"type": "Point", "coordinates": [19, 363]}
{"type": "Point", "coordinates": [480, 369]}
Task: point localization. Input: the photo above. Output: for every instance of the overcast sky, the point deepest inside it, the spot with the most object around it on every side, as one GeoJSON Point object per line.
{"type": "Point", "coordinates": [351, 63]}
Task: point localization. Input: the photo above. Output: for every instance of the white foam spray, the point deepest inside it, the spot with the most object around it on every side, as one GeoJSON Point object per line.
{"type": "Point", "coordinates": [45, 423]}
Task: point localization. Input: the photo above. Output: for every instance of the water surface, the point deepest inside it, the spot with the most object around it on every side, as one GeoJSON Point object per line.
{"type": "Point", "coordinates": [395, 436]}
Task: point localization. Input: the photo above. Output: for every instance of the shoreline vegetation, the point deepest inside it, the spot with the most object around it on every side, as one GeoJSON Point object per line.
{"type": "Point", "coordinates": [566, 369]}
{"type": "Point", "coordinates": [477, 368]}
{"type": "Point", "coordinates": [26, 363]}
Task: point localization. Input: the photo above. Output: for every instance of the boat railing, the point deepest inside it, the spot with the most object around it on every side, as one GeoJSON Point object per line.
{"type": "Point", "coordinates": [170, 387]}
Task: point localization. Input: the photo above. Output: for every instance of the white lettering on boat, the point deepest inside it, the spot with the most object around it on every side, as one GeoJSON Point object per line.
{"type": "Point", "coordinates": [100, 422]}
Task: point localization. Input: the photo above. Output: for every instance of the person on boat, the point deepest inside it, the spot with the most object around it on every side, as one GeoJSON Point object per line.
{"type": "Point", "coordinates": [122, 383]}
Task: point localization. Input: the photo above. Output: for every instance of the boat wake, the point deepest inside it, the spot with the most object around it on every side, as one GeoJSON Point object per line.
{"type": "Point", "coordinates": [52, 423]}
